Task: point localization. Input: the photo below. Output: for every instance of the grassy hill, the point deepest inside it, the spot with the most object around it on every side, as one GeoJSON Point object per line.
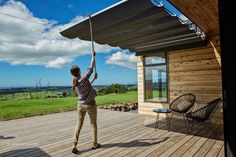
{"type": "Point", "coordinates": [13, 109]}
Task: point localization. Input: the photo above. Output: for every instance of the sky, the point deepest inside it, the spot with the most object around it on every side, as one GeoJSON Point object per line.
{"type": "Point", "coordinates": [33, 51]}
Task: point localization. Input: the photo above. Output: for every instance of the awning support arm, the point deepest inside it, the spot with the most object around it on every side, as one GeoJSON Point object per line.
{"type": "Point", "coordinates": [91, 34]}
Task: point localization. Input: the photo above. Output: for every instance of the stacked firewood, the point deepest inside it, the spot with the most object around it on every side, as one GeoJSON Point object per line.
{"type": "Point", "coordinates": [124, 107]}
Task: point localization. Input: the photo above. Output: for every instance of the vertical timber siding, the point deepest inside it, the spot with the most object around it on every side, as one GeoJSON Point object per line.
{"type": "Point", "coordinates": [140, 71]}
{"type": "Point", "coordinates": [193, 70]}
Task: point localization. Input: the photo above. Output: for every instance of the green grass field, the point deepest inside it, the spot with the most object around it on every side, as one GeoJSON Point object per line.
{"type": "Point", "coordinates": [14, 109]}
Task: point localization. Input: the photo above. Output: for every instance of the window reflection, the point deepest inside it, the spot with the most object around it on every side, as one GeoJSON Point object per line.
{"type": "Point", "coordinates": [156, 78]}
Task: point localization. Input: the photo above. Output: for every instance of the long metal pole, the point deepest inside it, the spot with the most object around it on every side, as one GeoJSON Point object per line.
{"type": "Point", "coordinates": [91, 34]}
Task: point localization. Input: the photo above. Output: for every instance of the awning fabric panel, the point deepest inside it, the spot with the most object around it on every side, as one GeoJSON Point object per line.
{"type": "Point", "coordinates": [137, 25]}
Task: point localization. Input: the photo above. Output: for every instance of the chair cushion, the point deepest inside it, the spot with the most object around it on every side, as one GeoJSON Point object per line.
{"type": "Point", "coordinates": [201, 113]}
{"type": "Point", "coordinates": [184, 105]}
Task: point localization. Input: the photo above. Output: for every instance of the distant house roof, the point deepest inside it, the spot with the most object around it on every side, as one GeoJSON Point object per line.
{"type": "Point", "coordinates": [140, 26]}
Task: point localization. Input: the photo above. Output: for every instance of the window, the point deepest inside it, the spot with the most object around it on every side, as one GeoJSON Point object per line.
{"type": "Point", "coordinates": [156, 87]}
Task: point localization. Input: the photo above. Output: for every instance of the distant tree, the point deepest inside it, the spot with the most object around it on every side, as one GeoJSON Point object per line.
{"type": "Point", "coordinates": [134, 88]}
{"type": "Point", "coordinates": [114, 88]}
{"type": "Point", "coordinates": [64, 94]}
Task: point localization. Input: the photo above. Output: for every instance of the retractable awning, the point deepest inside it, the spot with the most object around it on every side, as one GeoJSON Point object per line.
{"type": "Point", "coordinates": [140, 26]}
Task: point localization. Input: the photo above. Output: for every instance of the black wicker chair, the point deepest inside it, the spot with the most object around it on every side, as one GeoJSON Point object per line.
{"type": "Point", "coordinates": [203, 114]}
{"type": "Point", "coordinates": [182, 104]}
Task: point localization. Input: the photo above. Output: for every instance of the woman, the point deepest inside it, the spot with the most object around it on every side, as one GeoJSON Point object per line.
{"type": "Point", "coordinates": [86, 102]}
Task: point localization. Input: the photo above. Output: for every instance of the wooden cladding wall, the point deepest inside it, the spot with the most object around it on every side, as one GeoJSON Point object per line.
{"type": "Point", "coordinates": [140, 68]}
{"type": "Point", "coordinates": [196, 71]}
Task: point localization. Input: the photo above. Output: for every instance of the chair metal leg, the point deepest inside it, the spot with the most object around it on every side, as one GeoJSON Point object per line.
{"type": "Point", "coordinates": [157, 118]}
{"type": "Point", "coordinates": [171, 117]}
{"type": "Point", "coordinates": [184, 121]}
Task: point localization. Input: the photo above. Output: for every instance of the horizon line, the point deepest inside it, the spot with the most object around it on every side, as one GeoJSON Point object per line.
{"type": "Point", "coordinates": [62, 85]}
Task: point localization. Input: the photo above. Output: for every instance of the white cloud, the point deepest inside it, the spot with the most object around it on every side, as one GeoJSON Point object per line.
{"type": "Point", "coordinates": [28, 43]}
{"type": "Point", "coordinates": [122, 58]}
{"type": "Point", "coordinates": [59, 62]}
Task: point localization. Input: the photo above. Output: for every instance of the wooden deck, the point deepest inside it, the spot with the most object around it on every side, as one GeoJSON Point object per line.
{"type": "Point", "coordinates": [120, 133]}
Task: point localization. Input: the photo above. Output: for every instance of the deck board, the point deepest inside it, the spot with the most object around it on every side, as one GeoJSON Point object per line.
{"type": "Point", "coordinates": [120, 133]}
{"type": "Point", "coordinates": [215, 149]}
{"type": "Point", "coordinates": [221, 153]}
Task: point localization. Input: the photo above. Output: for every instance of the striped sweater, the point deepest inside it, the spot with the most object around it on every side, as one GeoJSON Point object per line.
{"type": "Point", "coordinates": [84, 90]}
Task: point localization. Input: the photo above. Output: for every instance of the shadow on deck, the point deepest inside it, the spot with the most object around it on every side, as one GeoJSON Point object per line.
{"type": "Point", "coordinates": [199, 129]}
{"type": "Point", "coordinates": [24, 152]}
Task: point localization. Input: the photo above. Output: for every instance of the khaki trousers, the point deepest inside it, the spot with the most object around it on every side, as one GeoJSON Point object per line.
{"type": "Point", "coordinates": [91, 108]}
